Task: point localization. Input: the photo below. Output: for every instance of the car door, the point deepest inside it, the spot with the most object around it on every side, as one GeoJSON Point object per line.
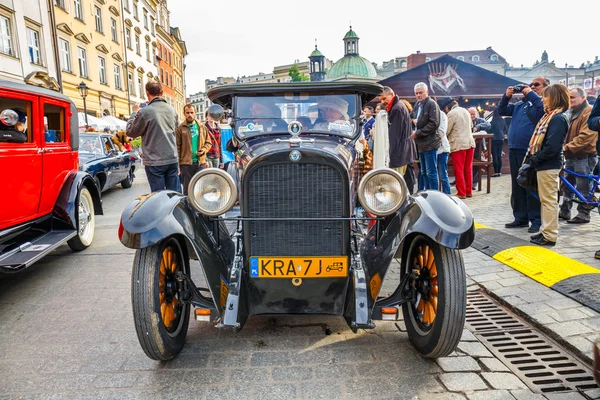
{"type": "Point", "coordinates": [20, 163]}
{"type": "Point", "coordinates": [111, 162]}
{"type": "Point", "coordinates": [59, 159]}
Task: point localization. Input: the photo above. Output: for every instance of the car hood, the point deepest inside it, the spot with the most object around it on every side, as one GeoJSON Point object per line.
{"type": "Point", "coordinates": [338, 147]}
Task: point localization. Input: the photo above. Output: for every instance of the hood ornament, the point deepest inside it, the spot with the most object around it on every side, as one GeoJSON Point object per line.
{"type": "Point", "coordinates": [295, 129]}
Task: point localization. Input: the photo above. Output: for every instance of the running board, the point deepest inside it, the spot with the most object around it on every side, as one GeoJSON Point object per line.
{"type": "Point", "coordinates": [30, 252]}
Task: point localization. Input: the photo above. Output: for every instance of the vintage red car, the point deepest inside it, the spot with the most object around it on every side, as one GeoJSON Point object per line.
{"type": "Point", "coordinates": [45, 200]}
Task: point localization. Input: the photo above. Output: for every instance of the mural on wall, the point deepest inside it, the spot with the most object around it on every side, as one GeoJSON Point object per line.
{"type": "Point", "coordinates": [443, 78]}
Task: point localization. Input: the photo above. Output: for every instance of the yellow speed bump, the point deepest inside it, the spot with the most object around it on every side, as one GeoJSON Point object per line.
{"type": "Point", "coordinates": [480, 226]}
{"type": "Point", "coordinates": [543, 265]}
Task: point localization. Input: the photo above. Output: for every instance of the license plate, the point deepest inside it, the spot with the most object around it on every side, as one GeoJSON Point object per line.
{"type": "Point", "coordinates": [298, 267]}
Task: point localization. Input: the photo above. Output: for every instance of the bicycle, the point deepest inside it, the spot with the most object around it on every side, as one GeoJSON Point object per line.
{"type": "Point", "coordinates": [591, 201]}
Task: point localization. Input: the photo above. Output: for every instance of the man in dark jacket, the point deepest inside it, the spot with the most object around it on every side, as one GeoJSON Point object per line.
{"type": "Point", "coordinates": [525, 115]}
{"type": "Point", "coordinates": [402, 146]}
{"type": "Point", "coordinates": [426, 118]}
{"type": "Point", "coordinates": [156, 124]}
{"type": "Point", "coordinates": [594, 121]}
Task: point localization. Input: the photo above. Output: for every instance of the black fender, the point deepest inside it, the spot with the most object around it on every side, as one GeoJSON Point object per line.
{"type": "Point", "coordinates": [65, 209]}
{"type": "Point", "coordinates": [151, 218]}
{"type": "Point", "coordinates": [445, 219]}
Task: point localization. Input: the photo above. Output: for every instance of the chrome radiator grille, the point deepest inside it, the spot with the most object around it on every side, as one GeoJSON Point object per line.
{"type": "Point", "coordinates": [294, 190]}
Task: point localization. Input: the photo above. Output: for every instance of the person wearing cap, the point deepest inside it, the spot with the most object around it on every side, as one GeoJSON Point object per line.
{"type": "Point", "coordinates": [462, 146]}
{"type": "Point", "coordinates": [12, 127]}
{"type": "Point", "coordinates": [402, 146]}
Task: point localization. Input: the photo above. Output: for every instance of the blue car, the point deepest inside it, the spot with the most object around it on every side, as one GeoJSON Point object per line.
{"type": "Point", "coordinates": [109, 167]}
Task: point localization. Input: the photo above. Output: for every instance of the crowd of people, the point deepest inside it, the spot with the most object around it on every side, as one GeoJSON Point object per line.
{"type": "Point", "coordinates": [552, 127]}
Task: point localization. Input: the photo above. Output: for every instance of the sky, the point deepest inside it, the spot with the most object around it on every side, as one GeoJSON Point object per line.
{"type": "Point", "coordinates": [245, 37]}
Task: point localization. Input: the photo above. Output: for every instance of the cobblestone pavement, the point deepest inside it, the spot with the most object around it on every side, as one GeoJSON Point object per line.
{"type": "Point", "coordinates": [67, 333]}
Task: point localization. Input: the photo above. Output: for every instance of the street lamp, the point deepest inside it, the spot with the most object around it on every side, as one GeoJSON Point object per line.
{"type": "Point", "coordinates": [83, 91]}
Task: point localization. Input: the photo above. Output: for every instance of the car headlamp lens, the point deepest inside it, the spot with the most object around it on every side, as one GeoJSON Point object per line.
{"type": "Point", "coordinates": [212, 192]}
{"type": "Point", "coordinates": [382, 191]}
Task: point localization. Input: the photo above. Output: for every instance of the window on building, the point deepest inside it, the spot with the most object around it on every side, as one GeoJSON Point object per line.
{"type": "Point", "coordinates": [154, 57]}
{"type": "Point", "coordinates": [137, 45]}
{"type": "Point", "coordinates": [65, 55]}
{"type": "Point", "coordinates": [148, 51]}
{"type": "Point", "coordinates": [98, 18]}
{"type": "Point", "coordinates": [403, 64]}
{"type": "Point", "coordinates": [78, 7]}
{"type": "Point", "coordinates": [82, 61]}
{"type": "Point", "coordinates": [128, 38]}
{"type": "Point", "coordinates": [136, 13]}
{"type": "Point", "coordinates": [6, 45]}
{"type": "Point", "coordinates": [161, 74]}
{"type": "Point", "coordinates": [141, 85]}
{"type": "Point", "coordinates": [130, 86]}
{"type": "Point", "coordinates": [152, 25]}
{"type": "Point", "coordinates": [113, 30]}
{"type": "Point", "coordinates": [126, 4]}
{"type": "Point", "coordinates": [145, 18]}
{"type": "Point", "coordinates": [117, 73]}
{"type": "Point", "coordinates": [475, 58]}
{"type": "Point", "coordinates": [494, 57]}
{"type": "Point", "coordinates": [60, 3]}
{"type": "Point", "coordinates": [33, 42]}
{"type": "Point", "coordinates": [461, 58]}
{"type": "Point", "coordinates": [102, 70]}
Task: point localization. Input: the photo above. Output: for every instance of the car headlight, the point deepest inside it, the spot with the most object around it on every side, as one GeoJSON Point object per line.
{"type": "Point", "coordinates": [212, 191]}
{"type": "Point", "coordinates": [382, 191]}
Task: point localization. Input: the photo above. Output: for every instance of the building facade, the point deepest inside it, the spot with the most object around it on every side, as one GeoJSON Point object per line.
{"type": "Point", "coordinates": [27, 43]}
{"type": "Point", "coordinates": [164, 52]}
{"type": "Point", "coordinates": [140, 19]}
{"type": "Point", "coordinates": [89, 38]}
{"type": "Point", "coordinates": [201, 102]}
{"type": "Point", "coordinates": [178, 65]}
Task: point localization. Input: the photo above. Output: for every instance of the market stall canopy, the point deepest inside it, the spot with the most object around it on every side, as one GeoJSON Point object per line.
{"type": "Point", "coordinates": [119, 123]}
{"type": "Point", "coordinates": [96, 123]}
{"type": "Point", "coordinates": [447, 76]}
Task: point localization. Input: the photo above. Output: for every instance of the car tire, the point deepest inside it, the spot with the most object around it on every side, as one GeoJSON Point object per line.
{"type": "Point", "coordinates": [435, 321]}
{"type": "Point", "coordinates": [161, 318]}
{"type": "Point", "coordinates": [86, 222]}
{"type": "Point", "coordinates": [127, 182]}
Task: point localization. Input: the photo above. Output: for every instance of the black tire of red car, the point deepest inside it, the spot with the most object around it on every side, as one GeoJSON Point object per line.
{"type": "Point", "coordinates": [437, 338]}
{"type": "Point", "coordinates": [127, 182]}
{"type": "Point", "coordinates": [150, 279]}
{"type": "Point", "coordinates": [86, 222]}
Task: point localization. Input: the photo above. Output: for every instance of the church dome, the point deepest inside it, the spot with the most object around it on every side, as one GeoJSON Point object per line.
{"type": "Point", "coordinates": [352, 64]}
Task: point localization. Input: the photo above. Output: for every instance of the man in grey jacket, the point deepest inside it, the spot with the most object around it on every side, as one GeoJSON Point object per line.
{"type": "Point", "coordinates": [156, 125]}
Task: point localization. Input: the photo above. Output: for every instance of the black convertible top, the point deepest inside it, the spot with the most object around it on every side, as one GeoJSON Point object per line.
{"type": "Point", "coordinates": [223, 94]}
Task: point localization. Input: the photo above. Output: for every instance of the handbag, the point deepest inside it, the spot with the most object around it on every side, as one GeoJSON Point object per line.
{"type": "Point", "coordinates": [527, 177]}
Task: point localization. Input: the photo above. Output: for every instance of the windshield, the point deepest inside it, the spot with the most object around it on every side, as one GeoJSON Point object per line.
{"type": "Point", "coordinates": [90, 144]}
{"type": "Point", "coordinates": [332, 113]}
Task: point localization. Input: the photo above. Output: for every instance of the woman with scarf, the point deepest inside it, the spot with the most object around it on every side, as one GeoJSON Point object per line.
{"type": "Point", "coordinates": [545, 149]}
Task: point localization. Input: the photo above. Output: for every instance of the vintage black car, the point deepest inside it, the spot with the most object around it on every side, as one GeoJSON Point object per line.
{"type": "Point", "coordinates": [296, 247]}
{"type": "Point", "coordinates": [109, 167]}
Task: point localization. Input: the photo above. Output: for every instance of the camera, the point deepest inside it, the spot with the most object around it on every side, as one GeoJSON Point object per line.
{"type": "Point", "coordinates": [519, 88]}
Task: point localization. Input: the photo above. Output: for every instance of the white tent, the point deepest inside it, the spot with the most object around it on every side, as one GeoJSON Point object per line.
{"type": "Point", "coordinates": [119, 123]}
{"type": "Point", "coordinates": [94, 122]}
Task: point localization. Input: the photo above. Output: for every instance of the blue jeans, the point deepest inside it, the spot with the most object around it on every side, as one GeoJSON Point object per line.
{"type": "Point", "coordinates": [442, 166]}
{"type": "Point", "coordinates": [163, 177]}
{"type": "Point", "coordinates": [428, 163]}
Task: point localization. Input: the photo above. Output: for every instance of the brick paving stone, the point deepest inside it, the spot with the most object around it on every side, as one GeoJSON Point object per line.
{"type": "Point", "coordinates": [526, 394]}
{"type": "Point", "coordinates": [296, 373]}
{"type": "Point", "coordinates": [196, 379]}
{"type": "Point", "coordinates": [491, 395]}
{"type": "Point", "coordinates": [593, 323]}
{"type": "Point", "coordinates": [118, 380]}
{"type": "Point", "coordinates": [249, 375]}
{"type": "Point", "coordinates": [226, 392]}
{"type": "Point", "coordinates": [463, 382]}
{"type": "Point", "coordinates": [340, 371]}
{"type": "Point", "coordinates": [370, 369]}
{"type": "Point", "coordinates": [179, 394]}
{"type": "Point", "coordinates": [269, 391]}
{"type": "Point", "coordinates": [565, 329]}
{"type": "Point", "coordinates": [270, 358]}
{"type": "Point", "coordinates": [493, 365]}
{"type": "Point", "coordinates": [503, 380]}
{"type": "Point", "coordinates": [474, 349]}
{"type": "Point", "coordinates": [441, 396]}
{"type": "Point", "coordinates": [458, 364]}
{"type": "Point", "coordinates": [188, 361]}
{"type": "Point", "coordinates": [321, 390]}
{"type": "Point", "coordinates": [467, 336]}
{"type": "Point", "coordinates": [361, 388]}
{"type": "Point", "coordinates": [231, 360]}
{"type": "Point", "coordinates": [593, 394]}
